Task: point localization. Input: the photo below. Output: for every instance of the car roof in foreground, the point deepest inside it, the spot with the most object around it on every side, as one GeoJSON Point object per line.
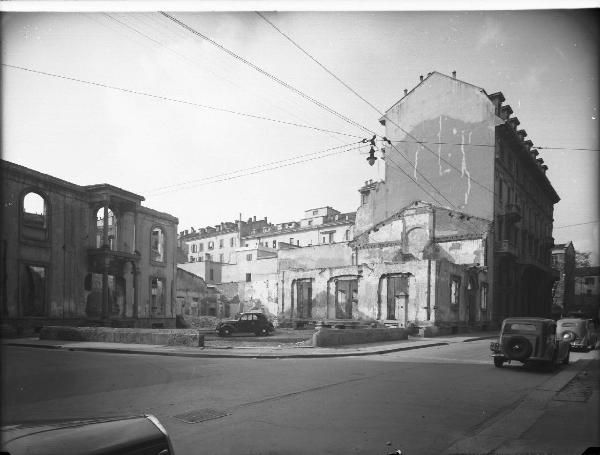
{"type": "Point", "coordinates": [528, 319]}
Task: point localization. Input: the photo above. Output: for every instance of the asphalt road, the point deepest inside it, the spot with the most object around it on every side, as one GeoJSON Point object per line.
{"type": "Point", "coordinates": [420, 401]}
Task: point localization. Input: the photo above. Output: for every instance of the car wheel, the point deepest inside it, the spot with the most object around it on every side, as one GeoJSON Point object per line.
{"type": "Point", "coordinates": [518, 348]}
{"type": "Point", "coordinates": [567, 358]}
{"type": "Point", "coordinates": [262, 332]}
{"type": "Point", "coordinates": [225, 332]}
{"type": "Point", "coordinates": [498, 362]}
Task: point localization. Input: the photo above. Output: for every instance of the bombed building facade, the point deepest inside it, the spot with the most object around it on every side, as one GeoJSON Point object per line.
{"type": "Point", "coordinates": [83, 255]}
{"type": "Point", "coordinates": [457, 235]}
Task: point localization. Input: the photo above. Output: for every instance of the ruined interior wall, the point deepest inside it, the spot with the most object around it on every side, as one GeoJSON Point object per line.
{"type": "Point", "coordinates": [448, 115]}
{"type": "Point", "coordinates": [320, 256]}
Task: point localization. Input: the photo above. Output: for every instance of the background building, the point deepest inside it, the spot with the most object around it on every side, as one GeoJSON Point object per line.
{"type": "Point", "coordinates": [587, 291]}
{"type": "Point", "coordinates": [563, 294]}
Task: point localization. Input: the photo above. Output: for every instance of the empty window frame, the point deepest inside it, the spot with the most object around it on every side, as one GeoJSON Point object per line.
{"type": "Point", "coordinates": [483, 289]}
{"type": "Point", "coordinates": [249, 257]}
{"type": "Point", "coordinates": [454, 291]}
{"type": "Point", "coordinates": [35, 217]}
{"type": "Point", "coordinates": [157, 243]}
{"type": "Point", "coordinates": [248, 277]}
{"type": "Point", "coordinates": [110, 237]}
{"type": "Point", "coordinates": [158, 291]}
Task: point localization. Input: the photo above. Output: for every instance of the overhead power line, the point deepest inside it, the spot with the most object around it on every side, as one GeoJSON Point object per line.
{"type": "Point", "coordinates": [174, 100]}
{"type": "Point", "coordinates": [269, 75]}
{"type": "Point", "coordinates": [356, 147]}
{"type": "Point", "coordinates": [576, 224]}
{"type": "Point", "coordinates": [320, 152]}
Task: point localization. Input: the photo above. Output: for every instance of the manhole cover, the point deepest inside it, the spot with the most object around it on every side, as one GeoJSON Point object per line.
{"type": "Point", "coordinates": [201, 415]}
{"type": "Point", "coordinates": [578, 389]}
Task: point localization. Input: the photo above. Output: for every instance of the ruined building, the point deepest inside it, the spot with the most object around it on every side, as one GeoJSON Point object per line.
{"type": "Point", "coordinates": [563, 293]}
{"type": "Point", "coordinates": [83, 255]}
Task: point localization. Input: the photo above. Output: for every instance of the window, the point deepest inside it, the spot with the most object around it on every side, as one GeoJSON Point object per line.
{"type": "Point", "coordinates": [310, 222]}
{"type": "Point", "coordinates": [483, 289]}
{"type": "Point", "coordinates": [221, 243]}
{"type": "Point", "coordinates": [192, 258]}
{"type": "Point", "coordinates": [588, 292]}
{"type": "Point", "coordinates": [33, 290]}
{"type": "Point", "coordinates": [158, 294]}
{"type": "Point", "coordinates": [249, 257]}
{"type": "Point", "coordinates": [454, 291]}
{"type": "Point", "coordinates": [500, 190]}
{"type": "Point", "coordinates": [291, 240]}
{"type": "Point", "coordinates": [274, 243]}
{"type": "Point", "coordinates": [221, 257]}
{"type": "Point", "coordinates": [201, 247]}
{"type": "Point", "coordinates": [208, 257]}
{"type": "Point", "coordinates": [324, 241]}
{"type": "Point", "coordinates": [232, 241]}
{"type": "Point", "coordinates": [248, 277]}
{"type": "Point", "coordinates": [589, 281]}
{"type": "Point", "coordinates": [211, 245]}
{"type": "Point", "coordinates": [194, 248]}
{"type": "Point", "coordinates": [111, 234]}
{"type": "Point", "coordinates": [158, 245]}
{"type": "Point", "coordinates": [35, 220]}
{"type": "Point", "coordinates": [331, 237]}
{"type": "Point", "coordinates": [315, 212]}
{"type": "Point", "coordinates": [298, 242]}
{"type": "Point", "coordinates": [211, 274]}
{"type": "Point", "coordinates": [347, 236]}
{"type": "Point", "coordinates": [200, 259]}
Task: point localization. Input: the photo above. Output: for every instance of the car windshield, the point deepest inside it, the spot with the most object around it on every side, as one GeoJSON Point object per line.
{"type": "Point", "coordinates": [519, 327]}
{"type": "Point", "coordinates": [568, 324]}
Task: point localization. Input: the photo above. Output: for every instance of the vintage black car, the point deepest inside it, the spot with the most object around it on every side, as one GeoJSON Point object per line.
{"type": "Point", "coordinates": [256, 323]}
{"type": "Point", "coordinates": [579, 332]}
{"type": "Point", "coordinates": [529, 340]}
{"type": "Point", "coordinates": [133, 435]}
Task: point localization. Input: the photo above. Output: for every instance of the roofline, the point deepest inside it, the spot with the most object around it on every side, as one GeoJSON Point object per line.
{"type": "Point", "coordinates": [421, 82]}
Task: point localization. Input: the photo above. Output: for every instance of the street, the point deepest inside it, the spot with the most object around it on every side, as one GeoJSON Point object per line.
{"type": "Point", "coordinates": [420, 401]}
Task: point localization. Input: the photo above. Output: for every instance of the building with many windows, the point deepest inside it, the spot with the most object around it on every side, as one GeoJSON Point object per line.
{"type": "Point", "coordinates": [83, 254]}
{"type": "Point", "coordinates": [563, 293]}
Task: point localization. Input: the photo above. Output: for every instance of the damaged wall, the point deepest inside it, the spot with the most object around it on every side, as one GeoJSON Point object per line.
{"type": "Point", "coordinates": [448, 115]}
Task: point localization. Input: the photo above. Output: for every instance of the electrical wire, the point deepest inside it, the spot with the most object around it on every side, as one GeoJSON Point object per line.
{"type": "Point", "coordinates": [174, 100]}
{"type": "Point", "coordinates": [576, 224]}
{"type": "Point", "coordinates": [159, 189]}
{"type": "Point", "coordinates": [264, 170]}
{"type": "Point", "coordinates": [184, 57]}
{"type": "Point", "coordinates": [269, 75]}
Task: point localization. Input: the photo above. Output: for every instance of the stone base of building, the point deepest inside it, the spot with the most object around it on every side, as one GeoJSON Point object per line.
{"type": "Point", "coordinates": [23, 327]}
{"type": "Point", "coordinates": [449, 328]}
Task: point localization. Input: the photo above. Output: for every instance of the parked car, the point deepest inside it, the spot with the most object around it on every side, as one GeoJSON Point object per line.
{"type": "Point", "coordinates": [529, 340]}
{"type": "Point", "coordinates": [580, 333]}
{"type": "Point", "coordinates": [256, 323]}
{"type": "Point", "coordinates": [135, 435]}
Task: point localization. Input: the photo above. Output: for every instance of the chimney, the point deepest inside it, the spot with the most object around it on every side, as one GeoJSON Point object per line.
{"type": "Point", "coordinates": [265, 219]}
{"type": "Point", "coordinates": [528, 144]}
{"type": "Point", "coordinates": [505, 112]}
{"type": "Point", "coordinates": [534, 153]}
{"type": "Point", "coordinates": [405, 91]}
{"type": "Point", "coordinates": [453, 74]}
{"type": "Point", "coordinates": [255, 218]}
{"type": "Point", "coordinates": [544, 168]}
{"type": "Point", "coordinates": [421, 77]}
{"type": "Point", "coordinates": [249, 220]}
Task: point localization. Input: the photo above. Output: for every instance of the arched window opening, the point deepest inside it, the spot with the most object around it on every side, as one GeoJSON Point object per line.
{"type": "Point", "coordinates": [158, 245]}
{"type": "Point", "coordinates": [35, 219]}
{"type": "Point", "coordinates": [111, 229]}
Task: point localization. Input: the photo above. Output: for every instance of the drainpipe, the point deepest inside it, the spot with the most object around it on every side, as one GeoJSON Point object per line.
{"type": "Point", "coordinates": [432, 237]}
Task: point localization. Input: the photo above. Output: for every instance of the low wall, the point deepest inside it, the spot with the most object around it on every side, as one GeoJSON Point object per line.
{"type": "Point", "coordinates": [168, 337]}
{"type": "Point", "coordinates": [337, 337]}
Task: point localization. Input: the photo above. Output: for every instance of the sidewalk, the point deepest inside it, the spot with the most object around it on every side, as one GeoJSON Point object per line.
{"type": "Point", "coordinates": [251, 349]}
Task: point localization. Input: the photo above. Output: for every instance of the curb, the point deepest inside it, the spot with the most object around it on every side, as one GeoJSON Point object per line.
{"type": "Point", "coordinates": [232, 355]}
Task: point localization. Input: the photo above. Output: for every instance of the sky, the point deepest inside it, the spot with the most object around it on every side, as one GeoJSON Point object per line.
{"type": "Point", "coordinates": [137, 100]}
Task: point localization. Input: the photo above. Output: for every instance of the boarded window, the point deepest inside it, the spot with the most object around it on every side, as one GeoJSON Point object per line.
{"type": "Point", "coordinates": [33, 290]}
{"type": "Point", "coordinates": [304, 298]}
